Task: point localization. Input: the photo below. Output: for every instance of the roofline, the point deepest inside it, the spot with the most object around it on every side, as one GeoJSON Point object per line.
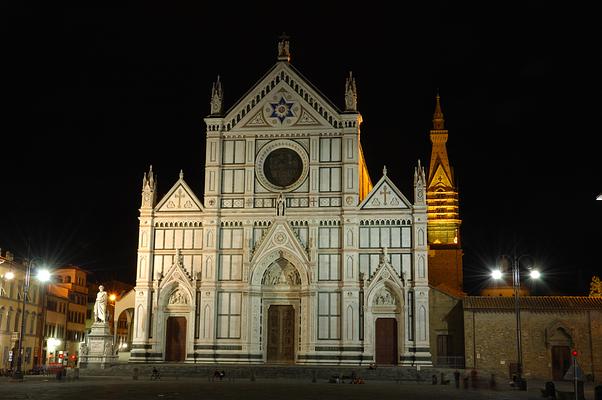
{"type": "Point", "coordinates": [296, 71]}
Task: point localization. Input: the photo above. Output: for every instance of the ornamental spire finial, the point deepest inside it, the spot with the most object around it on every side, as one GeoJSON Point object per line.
{"type": "Point", "coordinates": [438, 120]}
{"type": "Point", "coordinates": [350, 93]}
{"type": "Point", "coordinates": [217, 97]}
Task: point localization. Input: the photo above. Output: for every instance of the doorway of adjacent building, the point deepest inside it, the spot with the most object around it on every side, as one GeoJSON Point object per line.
{"type": "Point", "coordinates": [561, 361]}
{"type": "Point", "coordinates": [175, 339]}
{"type": "Point", "coordinates": [386, 341]}
{"type": "Point", "coordinates": [281, 334]}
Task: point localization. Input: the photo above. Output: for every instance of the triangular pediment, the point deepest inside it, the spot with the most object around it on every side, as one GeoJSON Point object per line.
{"type": "Point", "coordinates": [440, 177]}
{"type": "Point", "coordinates": [280, 236]}
{"type": "Point", "coordinates": [179, 198]}
{"type": "Point", "coordinates": [177, 271]}
{"type": "Point", "coordinates": [384, 272]}
{"type": "Point", "coordinates": [385, 195]}
{"type": "Point", "coordinates": [282, 99]}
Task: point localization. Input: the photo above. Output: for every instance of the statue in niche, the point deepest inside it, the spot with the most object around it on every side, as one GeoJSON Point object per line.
{"type": "Point", "coordinates": [280, 205]}
{"type": "Point", "coordinates": [384, 297]}
{"type": "Point", "coordinates": [177, 297]}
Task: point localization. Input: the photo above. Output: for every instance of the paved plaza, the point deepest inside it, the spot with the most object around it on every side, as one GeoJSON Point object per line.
{"type": "Point", "coordinates": [117, 388]}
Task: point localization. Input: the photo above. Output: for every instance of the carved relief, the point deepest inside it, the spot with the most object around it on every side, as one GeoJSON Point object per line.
{"type": "Point", "coordinates": [384, 298]}
{"type": "Point", "coordinates": [178, 297]}
{"type": "Point", "coordinates": [281, 272]}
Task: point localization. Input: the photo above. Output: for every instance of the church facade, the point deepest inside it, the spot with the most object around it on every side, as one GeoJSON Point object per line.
{"type": "Point", "coordinates": [293, 255]}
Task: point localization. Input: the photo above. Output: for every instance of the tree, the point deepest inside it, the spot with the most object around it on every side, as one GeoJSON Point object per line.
{"type": "Point", "coordinates": [595, 288]}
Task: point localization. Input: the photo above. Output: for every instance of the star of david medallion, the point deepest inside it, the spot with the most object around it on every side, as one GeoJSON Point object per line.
{"type": "Point", "coordinates": [282, 109]}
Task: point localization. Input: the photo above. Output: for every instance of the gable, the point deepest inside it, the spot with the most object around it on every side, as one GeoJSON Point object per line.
{"type": "Point", "coordinates": [282, 99]}
{"type": "Point", "coordinates": [280, 235]}
{"type": "Point", "coordinates": [440, 177]}
{"type": "Point", "coordinates": [179, 198]}
{"type": "Point", "coordinates": [385, 195]}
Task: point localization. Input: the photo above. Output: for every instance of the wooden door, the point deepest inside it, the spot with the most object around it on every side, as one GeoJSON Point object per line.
{"type": "Point", "coordinates": [175, 339]}
{"type": "Point", "coordinates": [561, 361]}
{"type": "Point", "coordinates": [281, 334]}
{"type": "Point", "coordinates": [386, 341]}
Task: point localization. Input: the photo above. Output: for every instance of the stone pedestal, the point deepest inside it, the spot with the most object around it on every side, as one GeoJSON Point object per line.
{"type": "Point", "coordinates": [99, 349]}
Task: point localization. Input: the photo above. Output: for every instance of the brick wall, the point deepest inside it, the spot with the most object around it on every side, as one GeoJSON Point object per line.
{"type": "Point", "coordinates": [490, 340]}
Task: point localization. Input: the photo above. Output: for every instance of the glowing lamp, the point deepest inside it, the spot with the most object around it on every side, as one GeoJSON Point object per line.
{"type": "Point", "coordinates": [43, 275]}
{"type": "Point", "coordinates": [496, 274]}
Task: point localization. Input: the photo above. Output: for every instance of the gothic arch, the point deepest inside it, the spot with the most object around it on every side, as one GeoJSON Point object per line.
{"type": "Point", "coordinates": [169, 288]}
{"type": "Point", "coordinates": [394, 289]}
{"type": "Point", "coordinates": [140, 321]}
{"type": "Point", "coordinates": [558, 333]}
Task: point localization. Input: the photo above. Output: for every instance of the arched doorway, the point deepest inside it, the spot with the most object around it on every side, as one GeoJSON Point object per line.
{"type": "Point", "coordinates": [281, 283]}
{"type": "Point", "coordinates": [560, 345]}
{"type": "Point", "coordinates": [175, 339]}
{"type": "Point", "coordinates": [385, 309]}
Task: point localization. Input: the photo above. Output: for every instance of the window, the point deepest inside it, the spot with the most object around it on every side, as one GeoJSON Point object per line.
{"type": "Point", "coordinates": [329, 238]}
{"type": "Point", "coordinates": [230, 267]}
{"type": "Point", "coordinates": [231, 238]}
{"type": "Point", "coordinates": [234, 152]}
{"type": "Point", "coordinates": [330, 179]}
{"type": "Point", "coordinates": [228, 315]}
{"type": "Point", "coordinates": [302, 233]}
{"type": "Point", "coordinates": [329, 267]}
{"type": "Point", "coordinates": [329, 315]}
{"type": "Point", "coordinates": [233, 181]}
{"type": "Point", "coordinates": [258, 235]}
{"type": "Point", "coordinates": [330, 149]}
{"type": "Point", "coordinates": [390, 237]}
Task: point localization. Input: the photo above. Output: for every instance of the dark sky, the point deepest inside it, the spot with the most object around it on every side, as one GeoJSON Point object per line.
{"type": "Point", "coordinates": [93, 96]}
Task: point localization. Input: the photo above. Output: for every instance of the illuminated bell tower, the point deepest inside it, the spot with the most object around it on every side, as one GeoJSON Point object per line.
{"type": "Point", "coordinates": [445, 246]}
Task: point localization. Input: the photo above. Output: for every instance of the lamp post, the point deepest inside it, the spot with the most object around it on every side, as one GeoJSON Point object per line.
{"type": "Point", "coordinates": [43, 275]}
{"type": "Point", "coordinates": [516, 275]}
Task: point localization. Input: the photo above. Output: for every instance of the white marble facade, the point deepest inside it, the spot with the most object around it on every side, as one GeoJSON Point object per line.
{"type": "Point", "coordinates": [283, 222]}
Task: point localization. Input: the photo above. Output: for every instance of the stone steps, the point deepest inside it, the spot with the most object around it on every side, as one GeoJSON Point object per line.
{"type": "Point", "coordinates": [272, 371]}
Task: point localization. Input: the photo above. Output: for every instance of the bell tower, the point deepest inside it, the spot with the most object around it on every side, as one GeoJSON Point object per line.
{"type": "Point", "coordinates": [445, 246]}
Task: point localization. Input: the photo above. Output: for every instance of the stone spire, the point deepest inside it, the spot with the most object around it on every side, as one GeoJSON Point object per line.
{"type": "Point", "coordinates": [284, 53]}
{"type": "Point", "coordinates": [217, 98]}
{"type": "Point", "coordinates": [419, 185]}
{"type": "Point", "coordinates": [149, 189]}
{"type": "Point", "coordinates": [350, 93]}
{"type": "Point", "coordinates": [438, 120]}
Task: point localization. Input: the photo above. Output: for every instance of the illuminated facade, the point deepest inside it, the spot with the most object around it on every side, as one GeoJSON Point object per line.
{"type": "Point", "coordinates": [293, 256]}
{"type": "Point", "coordinates": [445, 245]}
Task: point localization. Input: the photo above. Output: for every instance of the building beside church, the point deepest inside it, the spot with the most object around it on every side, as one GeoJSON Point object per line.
{"type": "Point", "coordinates": [293, 255]}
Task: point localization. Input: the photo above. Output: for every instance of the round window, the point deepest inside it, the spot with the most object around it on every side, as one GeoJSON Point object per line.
{"type": "Point", "coordinates": [283, 167]}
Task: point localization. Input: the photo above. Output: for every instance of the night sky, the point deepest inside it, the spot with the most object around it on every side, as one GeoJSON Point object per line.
{"type": "Point", "coordinates": [93, 96]}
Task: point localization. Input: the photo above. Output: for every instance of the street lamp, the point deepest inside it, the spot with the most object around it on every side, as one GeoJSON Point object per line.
{"type": "Point", "coordinates": [43, 276]}
{"type": "Point", "coordinates": [533, 274]}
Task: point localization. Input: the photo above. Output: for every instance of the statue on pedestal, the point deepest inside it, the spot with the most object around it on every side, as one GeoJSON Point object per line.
{"type": "Point", "coordinates": [100, 307]}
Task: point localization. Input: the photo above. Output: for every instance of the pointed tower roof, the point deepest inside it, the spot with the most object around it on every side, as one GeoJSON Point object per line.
{"type": "Point", "coordinates": [438, 120]}
{"type": "Point", "coordinates": [440, 170]}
